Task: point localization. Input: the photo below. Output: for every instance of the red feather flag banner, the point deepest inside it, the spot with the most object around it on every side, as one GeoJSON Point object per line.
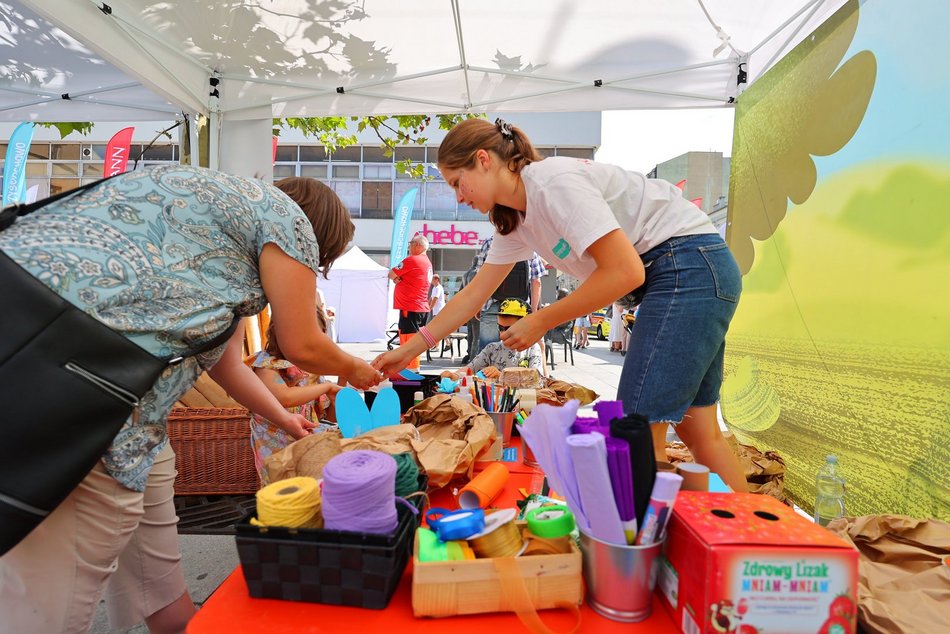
{"type": "Point", "coordinates": [681, 184]}
{"type": "Point", "coordinates": [698, 202]}
{"type": "Point", "coordinates": [274, 150]}
{"type": "Point", "coordinates": [117, 152]}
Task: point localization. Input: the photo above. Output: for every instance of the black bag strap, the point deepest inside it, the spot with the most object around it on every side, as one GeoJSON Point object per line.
{"type": "Point", "coordinates": [8, 215]}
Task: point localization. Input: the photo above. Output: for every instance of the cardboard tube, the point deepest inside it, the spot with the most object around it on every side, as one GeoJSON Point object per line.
{"type": "Point", "coordinates": [695, 476]}
{"type": "Point", "coordinates": [484, 487]}
{"type": "Point", "coordinates": [666, 466]}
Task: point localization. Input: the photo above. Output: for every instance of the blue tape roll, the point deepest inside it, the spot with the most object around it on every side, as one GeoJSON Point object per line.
{"type": "Point", "coordinates": [453, 525]}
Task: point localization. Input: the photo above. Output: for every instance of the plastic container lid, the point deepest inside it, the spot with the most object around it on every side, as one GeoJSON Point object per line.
{"type": "Point", "coordinates": [417, 397]}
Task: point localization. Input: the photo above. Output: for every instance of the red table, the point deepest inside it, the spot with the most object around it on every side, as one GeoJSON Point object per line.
{"type": "Point", "coordinates": [230, 610]}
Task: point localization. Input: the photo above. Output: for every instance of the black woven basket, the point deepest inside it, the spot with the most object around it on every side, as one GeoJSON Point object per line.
{"type": "Point", "coordinates": [325, 566]}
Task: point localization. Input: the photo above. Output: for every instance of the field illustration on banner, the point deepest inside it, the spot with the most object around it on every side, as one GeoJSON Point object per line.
{"type": "Point", "coordinates": [841, 342]}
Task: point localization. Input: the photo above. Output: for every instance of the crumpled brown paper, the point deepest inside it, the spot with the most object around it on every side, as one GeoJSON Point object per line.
{"type": "Point", "coordinates": [308, 456]}
{"type": "Point", "coordinates": [556, 392]}
{"type": "Point", "coordinates": [444, 434]}
{"type": "Point", "coordinates": [452, 434]}
{"type": "Point", "coordinates": [903, 572]}
{"type": "Point", "coordinates": [764, 472]}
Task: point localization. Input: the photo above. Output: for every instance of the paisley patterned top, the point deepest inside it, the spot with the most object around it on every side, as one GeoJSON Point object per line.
{"type": "Point", "coordinates": [165, 255]}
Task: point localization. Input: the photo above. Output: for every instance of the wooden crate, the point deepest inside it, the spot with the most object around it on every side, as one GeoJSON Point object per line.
{"type": "Point", "coordinates": [447, 588]}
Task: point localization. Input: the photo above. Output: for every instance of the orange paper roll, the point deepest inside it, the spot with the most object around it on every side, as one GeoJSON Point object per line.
{"type": "Point", "coordinates": [484, 487]}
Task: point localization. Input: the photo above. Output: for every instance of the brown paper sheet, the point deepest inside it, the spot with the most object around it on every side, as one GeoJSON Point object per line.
{"type": "Point", "coordinates": [903, 572]}
{"type": "Point", "coordinates": [764, 472]}
{"type": "Point", "coordinates": [556, 392]}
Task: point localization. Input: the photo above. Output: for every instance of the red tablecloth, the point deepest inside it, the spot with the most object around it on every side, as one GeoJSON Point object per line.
{"type": "Point", "coordinates": [231, 611]}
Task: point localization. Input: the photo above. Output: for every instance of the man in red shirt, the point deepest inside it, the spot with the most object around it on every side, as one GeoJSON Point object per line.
{"type": "Point", "coordinates": [411, 296]}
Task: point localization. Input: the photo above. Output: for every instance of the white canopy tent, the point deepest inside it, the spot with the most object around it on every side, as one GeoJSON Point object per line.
{"type": "Point", "coordinates": [253, 59]}
{"type": "Point", "coordinates": [362, 309]}
{"type": "Point", "coordinates": [46, 75]}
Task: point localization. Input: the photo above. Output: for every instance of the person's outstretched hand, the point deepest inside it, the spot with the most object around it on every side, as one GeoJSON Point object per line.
{"type": "Point", "coordinates": [491, 372]}
{"type": "Point", "coordinates": [523, 334]}
{"type": "Point", "coordinates": [297, 426]}
{"type": "Point", "coordinates": [363, 376]}
{"type": "Point", "coordinates": [393, 361]}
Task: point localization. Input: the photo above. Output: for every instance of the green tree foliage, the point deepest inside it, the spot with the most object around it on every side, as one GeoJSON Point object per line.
{"type": "Point", "coordinates": [402, 130]}
{"type": "Point", "coordinates": [68, 127]}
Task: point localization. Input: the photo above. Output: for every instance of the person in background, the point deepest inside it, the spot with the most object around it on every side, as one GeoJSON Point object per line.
{"type": "Point", "coordinates": [298, 391]}
{"type": "Point", "coordinates": [167, 256]}
{"type": "Point", "coordinates": [622, 235]}
{"type": "Point", "coordinates": [523, 282]}
{"type": "Point", "coordinates": [495, 357]}
{"type": "Point", "coordinates": [616, 328]}
{"type": "Point", "coordinates": [327, 314]}
{"type": "Point", "coordinates": [436, 295]}
{"type": "Point", "coordinates": [581, 324]}
{"type": "Point", "coordinates": [411, 297]}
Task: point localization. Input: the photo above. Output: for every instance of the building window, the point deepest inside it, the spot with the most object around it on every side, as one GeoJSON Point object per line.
{"type": "Point", "coordinates": [346, 171]}
{"type": "Point", "coordinates": [377, 199]}
{"type": "Point", "coordinates": [288, 154]}
{"type": "Point", "coordinates": [378, 172]}
{"type": "Point", "coordinates": [400, 189]}
{"type": "Point", "coordinates": [310, 153]}
{"type": "Point", "coordinates": [315, 171]}
{"type": "Point", "coordinates": [440, 201]}
{"type": "Point", "coordinates": [352, 154]}
{"type": "Point", "coordinates": [350, 193]}
{"type": "Point", "coordinates": [284, 171]}
{"type": "Point", "coordinates": [375, 154]}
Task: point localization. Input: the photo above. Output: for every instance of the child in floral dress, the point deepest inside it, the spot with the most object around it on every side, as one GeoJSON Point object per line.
{"type": "Point", "coordinates": [300, 392]}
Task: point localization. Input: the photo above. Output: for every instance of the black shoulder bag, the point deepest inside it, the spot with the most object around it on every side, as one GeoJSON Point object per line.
{"type": "Point", "coordinates": [68, 383]}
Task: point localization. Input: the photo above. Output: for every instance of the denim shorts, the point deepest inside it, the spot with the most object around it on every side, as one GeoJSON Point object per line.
{"type": "Point", "coordinates": [675, 353]}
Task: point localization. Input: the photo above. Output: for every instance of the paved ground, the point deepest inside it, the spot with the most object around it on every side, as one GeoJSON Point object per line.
{"type": "Point", "coordinates": [208, 559]}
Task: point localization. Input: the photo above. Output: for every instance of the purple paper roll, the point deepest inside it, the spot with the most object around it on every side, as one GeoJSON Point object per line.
{"type": "Point", "coordinates": [607, 411]}
{"type": "Point", "coordinates": [621, 477]}
{"type": "Point", "coordinates": [585, 425]}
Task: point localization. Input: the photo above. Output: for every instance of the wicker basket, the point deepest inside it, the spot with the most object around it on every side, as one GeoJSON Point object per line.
{"type": "Point", "coordinates": [213, 451]}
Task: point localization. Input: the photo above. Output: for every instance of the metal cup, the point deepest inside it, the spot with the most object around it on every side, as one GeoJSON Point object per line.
{"type": "Point", "coordinates": [620, 579]}
{"type": "Point", "coordinates": [503, 422]}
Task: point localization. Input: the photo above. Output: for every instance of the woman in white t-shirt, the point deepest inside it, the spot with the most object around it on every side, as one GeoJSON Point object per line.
{"type": "Point", "coordinates": [624, 236]}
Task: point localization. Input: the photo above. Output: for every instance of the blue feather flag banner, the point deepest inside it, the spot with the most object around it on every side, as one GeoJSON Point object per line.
{"type": "Point", "coordinates": [14, 164]}
{"type": "Point", "coordinates": [401, 219]}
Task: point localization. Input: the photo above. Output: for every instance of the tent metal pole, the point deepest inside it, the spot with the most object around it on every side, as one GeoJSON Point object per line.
{"type": "Point", "coordinates": [781, 28]}
{"type": "Point", "coordinates": [457, 16]}
{"type": "Point", "coordinates": [193, 139]}
{"type": "Point", "coordinates": [120, 23]}
{"type": "Point", "coordinates": [369, 84]}
{"type": "Point", "coordinates": [214, 121]}
{"type": "Point", "coordinates": [792, 36]}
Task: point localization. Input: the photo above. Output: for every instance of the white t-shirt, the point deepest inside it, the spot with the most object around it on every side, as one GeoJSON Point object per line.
{"type": "Point", "coordinates": [572, 203]}
{"type": "Point", "coordinates": [439, 294]}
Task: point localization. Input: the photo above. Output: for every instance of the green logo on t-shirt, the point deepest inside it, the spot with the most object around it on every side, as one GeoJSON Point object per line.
{"type": "Point", "coordinates": [561, 249]}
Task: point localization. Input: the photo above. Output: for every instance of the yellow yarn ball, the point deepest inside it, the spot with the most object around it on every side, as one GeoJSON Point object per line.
{"type": "Point", "coordinates": [293, 503]}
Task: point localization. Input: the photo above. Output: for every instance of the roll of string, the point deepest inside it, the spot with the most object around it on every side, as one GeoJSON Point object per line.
{"type": "Point", "coordinates": [359, 492]}
{"type": "Point", "coordinates": [502, 541]}
{"type": "Point", "coordinates": [294, 503]}
{"type": "Point", "coordinates": [407, 474]}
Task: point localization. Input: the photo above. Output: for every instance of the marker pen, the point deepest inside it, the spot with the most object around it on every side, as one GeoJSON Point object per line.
{"type": "Point", "coordinates": [665, 488]}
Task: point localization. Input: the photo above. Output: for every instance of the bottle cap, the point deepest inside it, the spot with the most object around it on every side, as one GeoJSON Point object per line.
{"type": "Point", "coordinates": [417, 397]}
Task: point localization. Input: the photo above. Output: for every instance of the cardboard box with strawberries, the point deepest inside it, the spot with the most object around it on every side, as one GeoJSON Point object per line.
{"type": "Point", "coordinates": [747, 564]}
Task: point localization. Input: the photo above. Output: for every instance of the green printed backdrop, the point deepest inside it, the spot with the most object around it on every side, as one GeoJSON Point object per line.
{"type": "Point", "coordinates": [840, 219]}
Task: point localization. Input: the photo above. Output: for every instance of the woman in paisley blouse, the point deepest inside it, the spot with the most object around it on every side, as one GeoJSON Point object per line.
{"type": "Point", "coordinates": [167, 256]}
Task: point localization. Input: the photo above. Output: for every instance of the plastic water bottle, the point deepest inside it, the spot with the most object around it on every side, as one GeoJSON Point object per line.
{"type": "Point", "coordinates": [829, 501]}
